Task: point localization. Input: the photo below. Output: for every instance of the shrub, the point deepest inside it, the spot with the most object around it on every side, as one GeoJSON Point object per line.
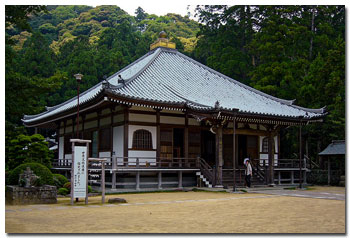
{"type": "Point", "coordinates": [320, 177]}
{"type": "Point", "coordinates": [62, 191]}
{"type": "Point", "coordinates": [67, 186]}
{"type": "Point", "coordinates": [89, 189]}
{"type": "Point", "coordinates": [28, 149]}
{"type": "Point", "coordinates": [59, 180]}
{"type": "Point", "coordinates": [45, 175]}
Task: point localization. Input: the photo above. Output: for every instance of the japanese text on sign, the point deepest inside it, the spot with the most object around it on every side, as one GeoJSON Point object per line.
{"type": "Point", "coordinates": [80, 170]}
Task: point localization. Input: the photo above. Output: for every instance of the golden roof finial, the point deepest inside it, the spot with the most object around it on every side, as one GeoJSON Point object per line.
{"type": "Point", "coordinates": [163, 41]}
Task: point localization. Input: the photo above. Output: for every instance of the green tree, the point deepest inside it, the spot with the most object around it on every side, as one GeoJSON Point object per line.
{"type": "Point", "coordinates": [28, 149]}
{"type": "Point", "coordinates": [140, 14]}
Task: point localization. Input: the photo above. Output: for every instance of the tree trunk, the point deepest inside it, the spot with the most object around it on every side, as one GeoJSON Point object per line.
{"type": "Point", "coordinates": [312, 32]}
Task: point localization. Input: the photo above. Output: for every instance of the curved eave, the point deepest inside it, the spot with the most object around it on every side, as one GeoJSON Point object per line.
{"type": "Point", "coordinates": [44, 122]}
{"type": "Point", "coordinates": [192, 106]}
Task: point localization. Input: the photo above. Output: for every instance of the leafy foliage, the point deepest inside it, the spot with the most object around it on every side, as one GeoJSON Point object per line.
{"type": "Point", "coordinates": [292, 52]}
{"type": "Point", "coordinates": [28, 149]}
{"type": "Point", "coordinates": [62, 191]}
{"type": "Point", "coordinates": [59, 180]}
{"type": "Point", "coordinates": [44, 174]}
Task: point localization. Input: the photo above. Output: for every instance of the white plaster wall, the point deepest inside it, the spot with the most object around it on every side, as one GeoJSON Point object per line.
{"type": "Point", "coordinates": [61, 147]}
{"type": "Point", "coordinates": [261, 142]}
{"type": "Point", "coordinates": [106, 155]}
{"type": "Point", "coordinates": [172, 120]}
{"type": "Point", "coordinates": [144, 156]}
{"type": "Point", "coordinates": [151, 129]}
{"type": "Point", "coordinates": [118, 143]}
{"type": "Point", "coordinates": [276, 144]}
{"type": "Point", "coordinates": [142, 117]}
{"type": "Point", "coordinates": [276, 159]}
{"type": "Point", "coordinates": [68, 157]}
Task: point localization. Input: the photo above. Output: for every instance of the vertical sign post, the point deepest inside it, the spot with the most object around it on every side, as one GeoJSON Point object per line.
{"type": "Point", "coordinates": [79, 172]}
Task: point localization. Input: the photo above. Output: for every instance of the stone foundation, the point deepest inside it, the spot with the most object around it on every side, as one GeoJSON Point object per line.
{"type": "Point", "coordinates": [33, 195]}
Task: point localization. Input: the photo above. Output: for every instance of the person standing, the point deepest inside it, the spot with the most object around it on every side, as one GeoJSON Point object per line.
{"type": "Point", "coordinates": [248, 172]}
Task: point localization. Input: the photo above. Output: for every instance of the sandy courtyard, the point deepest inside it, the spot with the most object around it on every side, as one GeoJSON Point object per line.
{"type": "Point", "coordinates": [183, 212]}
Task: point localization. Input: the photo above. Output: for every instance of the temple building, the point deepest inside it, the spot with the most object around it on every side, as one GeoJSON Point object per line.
{"type": "Point", "coordinates": [166, 112]}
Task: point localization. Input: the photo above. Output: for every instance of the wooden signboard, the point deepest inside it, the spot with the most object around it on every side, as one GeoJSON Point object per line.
{"type": "Point", "coordinates": [80, 171]}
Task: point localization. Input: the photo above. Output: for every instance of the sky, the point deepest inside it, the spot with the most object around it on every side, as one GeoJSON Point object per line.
{"type": "Point", "coordinates": [155, 7]}
{"type": "Point", "coordinates": [162, 7]}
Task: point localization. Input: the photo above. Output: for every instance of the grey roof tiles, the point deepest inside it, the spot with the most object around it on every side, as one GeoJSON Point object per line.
{"type": "Point", "coordinates": [167, 76]}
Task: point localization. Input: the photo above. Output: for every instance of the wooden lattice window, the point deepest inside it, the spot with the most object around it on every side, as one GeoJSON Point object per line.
{"type": "Point", "coordinates": [142, 139]}
{"type": "Point", "coordinates": [265, 145]}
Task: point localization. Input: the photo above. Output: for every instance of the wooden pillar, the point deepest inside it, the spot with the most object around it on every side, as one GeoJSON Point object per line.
{"type": "Point", "coordinates": [35, 130]}
{"type": "Point", "coordinates": [72, 178]}
{"type": "Point", "coordinates": [300, 157]}
{"type": "Point", "coordinates": [158, 133]}
{"type": "Point", "coordinates": [103, 181]}
{"type": "Point", "coordinates": [113, 158]}
{"type": "Point", "coordinates": [73, 127]}
{"type": "Point", "coordinates": [271, 159]}
{"type": "Point", "coordinates": [234, 154]}
{"type": "Point", "coordinates": [64, 128]}
{"type": "Point", "coordinates": [159, 180]}
{"type": "Point", "coordinates": [114, 173]}
{"type": "Point", "coordinates": [329, 171]}
{"type": "Point", "coordinates": [87, 173]}
{"type": "Point", "coordinates": [186, 138]}
{"type": "Point", "coordinates": [126, 134]}
{"type": "Point", "coordinates": [98, 132]}
{"type": "Point", "coordinates": [219, 157]}
{"type": "Point", "coordinates": [292, 177]}
{"type": "Point", "coordinates": [138, 180]}
{"type": "Point", "coordinates": [180, 179]}
{"type": "Point", "coordinates": [279, 177]}
{"type": "Point", "coordinates": [83, 125]}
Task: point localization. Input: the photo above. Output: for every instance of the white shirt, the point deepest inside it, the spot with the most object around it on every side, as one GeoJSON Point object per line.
{"type": "Point", "coordinates": [248, 170]}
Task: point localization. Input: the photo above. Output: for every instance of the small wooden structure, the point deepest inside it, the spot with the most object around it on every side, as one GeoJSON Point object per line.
{"type": "Point", "coordinates": [334, 149]}
{"type": "Point", "coordinates": [103, 174]}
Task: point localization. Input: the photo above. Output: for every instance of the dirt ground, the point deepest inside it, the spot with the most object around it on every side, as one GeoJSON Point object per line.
{"type": "Point", "coordinates": [184, 212]}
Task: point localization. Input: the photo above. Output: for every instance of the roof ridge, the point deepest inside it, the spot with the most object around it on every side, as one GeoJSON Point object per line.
{"type": "Point", "coordinates": [321, 110]}
{"type": "Point", "coordinates": [284, 101]}
{"type": "Point", "coordinates": [156, 54]}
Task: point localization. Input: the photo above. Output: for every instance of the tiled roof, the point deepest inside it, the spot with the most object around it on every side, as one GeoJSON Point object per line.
{"type": "Point", "coordinates": [337, 147]}
{"type": "Point", "coordinates": [167, 76]}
